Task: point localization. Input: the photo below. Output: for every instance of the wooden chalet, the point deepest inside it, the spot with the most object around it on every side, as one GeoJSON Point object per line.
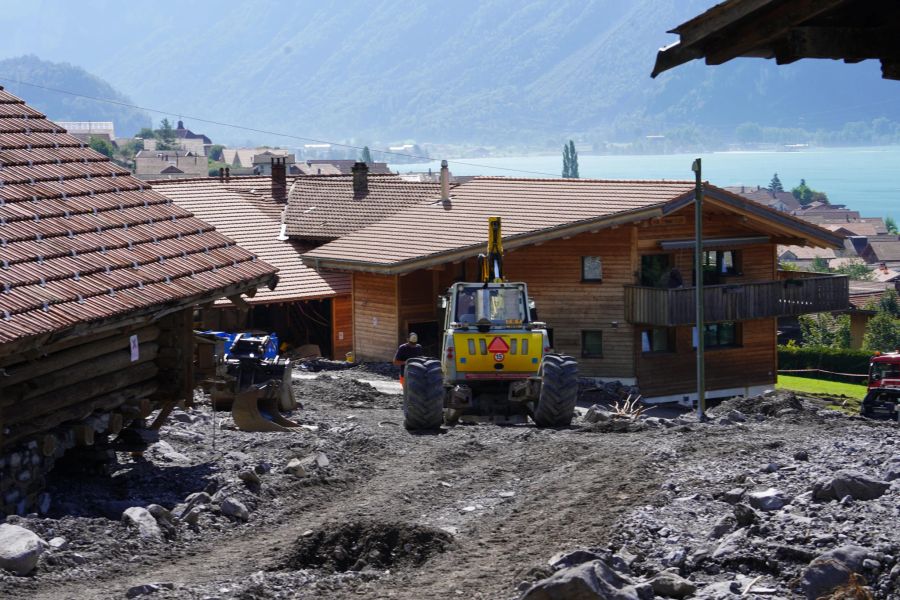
{"type": "Point", "coordinates": [99, 277]}
{"type": "Point", "coordinates": [603, 260]}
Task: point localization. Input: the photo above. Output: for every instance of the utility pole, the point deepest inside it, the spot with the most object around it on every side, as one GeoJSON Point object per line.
{"type": "Point", "coordinates": [698, 288]}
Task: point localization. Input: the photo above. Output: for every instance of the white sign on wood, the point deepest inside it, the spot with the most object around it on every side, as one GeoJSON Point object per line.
{"type": "Point", "coordinates": [135, 350]}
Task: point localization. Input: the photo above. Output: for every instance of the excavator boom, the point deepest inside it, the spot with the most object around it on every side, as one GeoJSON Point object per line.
{"type": "Point", "coordinates": [492, 265]}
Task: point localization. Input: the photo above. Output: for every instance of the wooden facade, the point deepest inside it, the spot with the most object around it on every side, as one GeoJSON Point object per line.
{"type": "Point", "coordinates": [78, 391]}
{"type": "Point", "coordinates": [617, 314]}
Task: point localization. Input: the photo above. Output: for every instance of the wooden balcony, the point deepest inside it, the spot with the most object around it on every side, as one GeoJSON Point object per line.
{"type": "Point", "coordinates": [737, 302]}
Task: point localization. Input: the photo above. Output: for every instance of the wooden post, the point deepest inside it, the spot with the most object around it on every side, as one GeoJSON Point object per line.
{"type": "Point", "coordinates": [698, 286]}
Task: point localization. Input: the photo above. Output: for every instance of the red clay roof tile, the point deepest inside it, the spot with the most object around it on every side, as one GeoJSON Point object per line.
{"type": "Point", "coordinates": [82, 240]}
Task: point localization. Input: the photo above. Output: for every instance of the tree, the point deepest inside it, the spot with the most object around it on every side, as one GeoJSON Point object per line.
{"type": "Point", "coordinates": [166, 136]}
{"type": "Point", "coordinates": [889, 303]}
{"type": "Point", "coordinates": [856, 269]}
{"type": "Point", "coordinates": [570, 161]}
{"type": "Point", "coordinates": [819, 265]}
{"type": "Point", "coordinates": [806, 195]}
{"type": "Point", "coordinates": [882, 333]}
{"type": "Point", "coordinates": [573, 161]}
{"type": "Point", "coordinates": [215, 152]}
{"type": "Point", "coordinates": [822, 329]}
{"type": "Point", "coordinates": [775, 185]}
{"type": "Point", "coordinates": [891, 225]}
{"type": "Point", "coordinates": [102, 146]}
{"type": "Point", "coordinates": [146, 133]}
{"type": "Point", "coordinates": [366, 155]}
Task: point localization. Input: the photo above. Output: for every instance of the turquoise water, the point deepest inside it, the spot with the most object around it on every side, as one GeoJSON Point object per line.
{"type": "Point", "coordinates": [865, 179]}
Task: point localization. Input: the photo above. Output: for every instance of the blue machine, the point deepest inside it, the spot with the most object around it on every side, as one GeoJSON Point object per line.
{"type": "Point", "coordinates": [248, 345]}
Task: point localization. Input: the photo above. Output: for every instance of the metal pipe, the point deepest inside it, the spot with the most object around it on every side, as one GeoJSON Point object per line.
{"type": "Point", "coordinates": [698, 288]}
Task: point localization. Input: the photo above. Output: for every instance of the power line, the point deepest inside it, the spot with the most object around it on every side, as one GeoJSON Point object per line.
{"type": "Point", "coordinates": [267, 132]}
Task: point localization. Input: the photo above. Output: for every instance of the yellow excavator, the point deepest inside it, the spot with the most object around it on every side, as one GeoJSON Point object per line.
{"type": "Point", "coordinates": [496, 362]}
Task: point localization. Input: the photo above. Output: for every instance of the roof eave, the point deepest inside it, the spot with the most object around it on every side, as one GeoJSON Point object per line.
{"type": "Point", "coordinates": [510, 243]}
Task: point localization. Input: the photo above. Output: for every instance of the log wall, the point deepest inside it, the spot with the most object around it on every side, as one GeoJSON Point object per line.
{"type": "Point", "coordinates": [80, 391]}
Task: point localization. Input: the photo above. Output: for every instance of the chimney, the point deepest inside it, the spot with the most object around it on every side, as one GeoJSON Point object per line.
{"type": "Point", "coordinates": [445, 182]}
{"type": "Point", "coordinates": [279, 179]}
{"type": "Point", "coordinates": [227, 173]}
{"type": "Point", "coordinates": [221, 174]}
{"type": "Point", "coordinates": [360, 179]}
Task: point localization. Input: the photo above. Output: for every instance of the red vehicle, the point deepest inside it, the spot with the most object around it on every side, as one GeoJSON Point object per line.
{"type": "Point", "coordinates": [884, 371]}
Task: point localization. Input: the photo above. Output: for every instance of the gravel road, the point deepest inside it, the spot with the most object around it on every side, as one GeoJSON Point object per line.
{"type": "Point", "coordinates": [475, 511]}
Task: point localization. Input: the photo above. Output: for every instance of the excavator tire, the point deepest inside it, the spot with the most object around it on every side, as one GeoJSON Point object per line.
{"type": "Point", "coordinates": [559, 391]}
{"type": "Point", "coordinates": [423, 395]}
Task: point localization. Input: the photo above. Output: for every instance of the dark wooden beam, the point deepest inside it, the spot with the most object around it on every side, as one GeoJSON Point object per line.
{"type": "Point", "coordinates": [762, 29]}
{"type": "Point", "coordinates": [890, 69]}
{"type": "Point", "coordinates": [848, 43]}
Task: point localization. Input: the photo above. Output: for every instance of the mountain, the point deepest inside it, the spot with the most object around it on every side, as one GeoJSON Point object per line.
{"type": "Point", "coordinates": [64, 107]}
{"type": "Point", "coordinates": [489, 72]}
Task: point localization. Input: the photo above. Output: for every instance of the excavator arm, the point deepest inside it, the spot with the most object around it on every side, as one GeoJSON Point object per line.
{"type": "Point", "coordinates": [492, 262]}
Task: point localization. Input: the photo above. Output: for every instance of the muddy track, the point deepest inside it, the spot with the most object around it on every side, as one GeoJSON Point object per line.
{"type": "Point", "coordinates": [511, 496]}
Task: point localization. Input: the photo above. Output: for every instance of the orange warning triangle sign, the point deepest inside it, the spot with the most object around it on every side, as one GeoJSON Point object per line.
{"type": "Point", "coordinates": [497, 345]}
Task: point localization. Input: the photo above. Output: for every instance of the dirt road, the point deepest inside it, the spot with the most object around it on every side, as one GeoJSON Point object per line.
{"type": "Point", "coordinates": [471, 512]}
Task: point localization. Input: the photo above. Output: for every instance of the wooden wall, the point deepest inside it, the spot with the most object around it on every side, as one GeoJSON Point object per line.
{"type": "Point", "coordinates": [754, 363]}
{"type": "Point", "coordinates": [375, 316]}
{"type": "Point", "coordinates": [341, 326]}
{"type": "Point", "coordinates": [553, 274]}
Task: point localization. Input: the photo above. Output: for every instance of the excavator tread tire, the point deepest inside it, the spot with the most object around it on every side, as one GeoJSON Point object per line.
{"type": "Point", "coordinates": [559, 391]}
{"type": "Point", "coordinates": [423, 395]}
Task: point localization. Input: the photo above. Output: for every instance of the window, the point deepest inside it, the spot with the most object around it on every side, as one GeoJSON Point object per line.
{"type": "Point", "coordinates": [501, 305]}
{"type": "Point", "coordinates": [591, 344]}
{"type": "Point", "coordinates": [591, 268]}
{"type": "Point", "coordinates": [718, 264]}
{"type": "Point", "coordinates": [719, 335]}
{"type": "Point", "coordinates": [658, 339]}
{"type": "Point", "coordinates": [655, 269]}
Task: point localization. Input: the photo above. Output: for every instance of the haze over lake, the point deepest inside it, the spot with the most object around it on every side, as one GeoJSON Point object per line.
{"type": "Point", "coordinates": [865, 179]}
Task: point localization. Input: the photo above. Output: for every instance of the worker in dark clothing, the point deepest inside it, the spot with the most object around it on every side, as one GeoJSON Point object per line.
{"type": "Point", "coordinates": [410, 349]}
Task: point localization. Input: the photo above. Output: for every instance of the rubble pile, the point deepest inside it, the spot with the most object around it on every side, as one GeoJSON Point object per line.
{"type": "Point", "coordinates": [772, 498]}
{"type": "Point", "coordinates": [780, 517]}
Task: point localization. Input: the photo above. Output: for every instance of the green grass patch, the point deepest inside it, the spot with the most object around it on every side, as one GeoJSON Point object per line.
{"type": "Point", "coordinates": [851, 393]}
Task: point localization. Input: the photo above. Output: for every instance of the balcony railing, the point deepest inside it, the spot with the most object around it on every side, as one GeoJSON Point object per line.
{"type": "Point", "coordinates": [737, 302]}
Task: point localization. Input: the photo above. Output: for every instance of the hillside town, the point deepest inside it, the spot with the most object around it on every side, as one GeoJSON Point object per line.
{"type": "Point", "coordinates": [298, 372]}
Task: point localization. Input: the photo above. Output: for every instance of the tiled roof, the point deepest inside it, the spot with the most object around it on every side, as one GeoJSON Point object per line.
{"type": "Point", "coordinates": [345, 167]}
{"type": "Point", "coordinates": [81, 240]}
{"type": "Point", "coordinates": [807, 252]}
{"type": "Point", "coordinates": [325, 208]}
{"type": "Point", "coordinates": [884, 250]}
{"type": "Point", "coordinates": [532, 210]}
{"type": "Point", "coordinates": [525, 205]}
{"type": "Point", "coordinates": [244, 209]}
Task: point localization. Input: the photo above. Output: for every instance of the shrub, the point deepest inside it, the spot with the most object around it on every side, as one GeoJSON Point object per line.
{"type": "Point", "coordinates": [835, 360]}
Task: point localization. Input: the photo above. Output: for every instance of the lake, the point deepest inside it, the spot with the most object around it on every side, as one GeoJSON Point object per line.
{"type": "Point", "coordinates": [865, 179]}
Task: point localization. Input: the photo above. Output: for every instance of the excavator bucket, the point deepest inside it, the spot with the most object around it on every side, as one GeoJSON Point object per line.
{"type": "Point", "coordinates": [257, 409]}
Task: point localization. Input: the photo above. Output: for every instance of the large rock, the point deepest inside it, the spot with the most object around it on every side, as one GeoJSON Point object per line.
{"type": "Point", "coordinates": [589, 581]}
{"type": "Point", "coordinates": [19, 549]}
{"type": "Point", "coordinates": [140, 518]}
{"type": "Point", "coordinates": [233, 507]}
{"type": "Point", "coordinates": [849, 483]}
{"type": "Point", "coordinates": [672, 585]}
{"type": "Point", "coordinates": [831, 569]}
{"type": "Point", "coordinates": [295, 467]}
{"type": "Point", "coordinates": [892, 470]}
{"type": "Point", "coordinates": [597, 414]}
{"type": "Point", "coordinates": [768, 500]}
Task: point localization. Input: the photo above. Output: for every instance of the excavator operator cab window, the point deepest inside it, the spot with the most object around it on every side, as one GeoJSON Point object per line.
{"type": "Point", "coordinates": [501, 306]}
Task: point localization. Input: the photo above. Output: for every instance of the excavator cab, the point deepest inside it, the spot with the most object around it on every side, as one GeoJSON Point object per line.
{"type": "Point", "coordinates": [496, 362]}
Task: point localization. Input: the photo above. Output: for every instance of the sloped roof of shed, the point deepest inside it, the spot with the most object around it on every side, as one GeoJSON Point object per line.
{"type": "Point", "coordinates": [83, 241]}
{"type": "Point", "coordinates": [244, 208]}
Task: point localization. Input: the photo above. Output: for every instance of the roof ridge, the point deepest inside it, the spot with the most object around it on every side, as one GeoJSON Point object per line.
{"type": "Point", "coordinates": [578, 180]}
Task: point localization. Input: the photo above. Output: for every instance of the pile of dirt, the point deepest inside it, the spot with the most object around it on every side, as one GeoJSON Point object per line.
{"type": "Point", "coordinates": [343, 392]}
{"type": "Point", "coordinates": [769, 404]}
{"type": "Point", "coordinates": [355, 546]}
